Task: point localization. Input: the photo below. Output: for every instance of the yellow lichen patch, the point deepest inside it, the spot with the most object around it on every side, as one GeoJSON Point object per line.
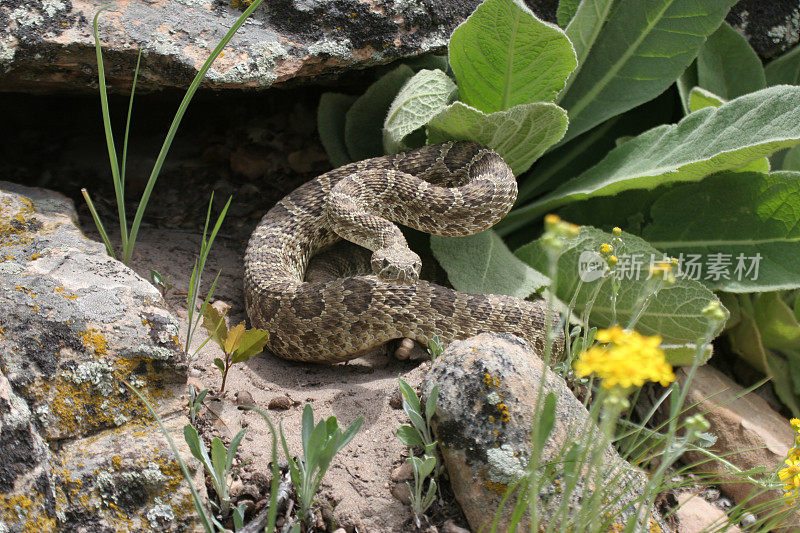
{"type": "Point", "coordinates": [497, 488]}
{"type": "Point", "coordinates": [14, 222]}
{"type": "Point", "coordinates": [63, 292]}
{"type": "Point", "coordinates": [92, 396]}
{"type": "Point", "coordinates": [95, 341]}
{"type": "Point", "coordinates": [26, 511]}
{"type": "Point", "coordinates": [504, 414]}
{"type": "Point", "coordinates": [491, 381]}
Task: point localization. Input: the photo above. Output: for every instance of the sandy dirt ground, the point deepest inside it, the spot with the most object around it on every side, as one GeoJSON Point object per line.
{"type": "Point", "coordinates": [358, 484]}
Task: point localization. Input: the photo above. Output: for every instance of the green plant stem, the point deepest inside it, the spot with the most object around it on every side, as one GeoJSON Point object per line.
{"type": "Point", "coordinates": [128, 123]}
{"type": "Point", "coordinates": [205, 518]}
{"type": "Point", "coordinates": [98, 223]}
{"type": "Point", "coordinates": [173, 129]}
{"type": "Point", "coordinates": [112, 151]}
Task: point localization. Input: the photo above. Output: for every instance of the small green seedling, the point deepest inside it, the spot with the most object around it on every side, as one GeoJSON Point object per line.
{"type": "Point", "coordinates": [218, 465]}
{"type": "Point", "coordinates": [160, 281]}
{"type": "Point", "coordinates": [195, 402]}
{"type": "Point", "coordinates": [238, 344]}
{"type": "Point", "coordinates": [193, 293]}
{"type": "Point", "coordinates": [435, 347]}
{"type": "Point", "coordinates": [320, 443]}
{"type": "Point", "coordinates": [421, 499]}
{"type": "Point", "coordinates": [420, 432]}
{"type": "Point", "coordinates": [238, 516]}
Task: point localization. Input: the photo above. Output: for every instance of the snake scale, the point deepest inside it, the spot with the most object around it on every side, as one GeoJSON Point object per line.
{"type": "Point", "coordinates": [449, 189]}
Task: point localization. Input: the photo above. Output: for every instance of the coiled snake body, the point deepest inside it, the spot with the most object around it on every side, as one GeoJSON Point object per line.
{"type": "Point", "coordinates": [448, 189]}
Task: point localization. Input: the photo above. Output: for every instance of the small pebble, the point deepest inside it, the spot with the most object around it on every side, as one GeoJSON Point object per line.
{"type": "Point", "coordinates": [221, 307]}
{"type": "Point", "coordinates": [404, 472]}
{"type": "Point", "coordinates": [244, 398]}
{"type": "Point", "coordinates": [403, 351]}
{"type": "Point", "coordinates": [724, 503]}
{"type": "Point", "coordinates": [452, 527]}
{"type": "Point", "coordinates": [396, 399]}
{"type": "Point", "coordinates": [281, 403]}
{"type": "Point", "coordinates": [402, 493]}
{"type": "Point", "coordinates": [748, 520]}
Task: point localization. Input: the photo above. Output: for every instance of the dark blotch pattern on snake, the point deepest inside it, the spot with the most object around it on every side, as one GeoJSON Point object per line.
{"type": "Point", "coordinates": [450, 189]}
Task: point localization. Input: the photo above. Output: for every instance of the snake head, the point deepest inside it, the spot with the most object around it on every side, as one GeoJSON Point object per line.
{"type": "Point", "coordinates": [396, 264]}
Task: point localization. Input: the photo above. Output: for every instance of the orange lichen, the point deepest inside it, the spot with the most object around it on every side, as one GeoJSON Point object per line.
{"type": "Point", "coordinates": [95, 341]}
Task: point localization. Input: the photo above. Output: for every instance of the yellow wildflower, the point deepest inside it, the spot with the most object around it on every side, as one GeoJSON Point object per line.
{"type": "Point", "coordinates": [795, 423]}
{"type": "Point", "coordinates": [790, 475]}
{"type": "Point", "coordinates": [663, 270]}
{"type": "Point", "coordinates": [628, 359]}
{"type": "Point", "coordinates": [612, 260]}
{"type": "Point", "coordinates": [606, 248]}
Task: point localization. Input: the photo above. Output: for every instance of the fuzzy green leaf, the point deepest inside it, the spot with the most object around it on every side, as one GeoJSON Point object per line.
{"type": "Point", "coordinates": [752, 219]}
{"type": "Point", "coordinates": [520, 134]}
{"type": "Point", "coordinates": [728, 66]}
{"type": "Point", "coordinates": [483, 264]}
{"type": "Point", "coordinates": [420, 99]}
{"type": "Point", "coordinates": [363, 130]}
{"type": "Point", "coordinates": [785, 69]}
{"type": "Point", "coordinates": [700, 98]}
{"type": "Point", "coordinates": [704, 142]}
{"type": "Point", "coordinates": [585, 27]}
{"type": "Point", "coordinates": [331, 114]}
{"type": "Point", "coordinates": [409, 436]}
{"type": "Point", "coordinates": [779, 327]}
{"type": "Point", "coordinates": [504, 56]}
{"type": "Point", "coordinates": [219, 457]}
{"type": "Point", "coordinates": [640, 52]}
{"type": "Point", "coordinates": [675, 313]}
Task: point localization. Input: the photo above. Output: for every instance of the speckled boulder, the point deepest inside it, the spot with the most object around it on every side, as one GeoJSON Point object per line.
{"type": "Point", "coordinates": [483, 422]}
{"type": "Point", "coordinates": [75, 324]}
{"type": "Point", "coordinates": [48, 44]}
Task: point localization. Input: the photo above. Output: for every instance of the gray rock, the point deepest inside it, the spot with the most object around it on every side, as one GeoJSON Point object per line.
{"type": "Point", "coordinates": [771, 27]}
{"type": "Point", "coordinates": [48, 44]}
{"type": "Point", "coordinates": [74, 445]}
{"type": "Point", "coordinates": [484, 417]}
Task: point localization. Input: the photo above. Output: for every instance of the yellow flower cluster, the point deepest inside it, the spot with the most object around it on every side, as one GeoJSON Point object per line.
{"type": "Point", "coordinates": [626, 359]}
{"type": "Point", "coordinates": [790, 474]}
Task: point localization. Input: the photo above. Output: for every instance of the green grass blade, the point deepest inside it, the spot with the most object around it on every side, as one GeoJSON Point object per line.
{"type": "Point", "coordinates": [217, 225]}
{"type": "Point", "coordinates": [112, 151]}
{"type": "Point", "coordinates": [98, 223]}
{"type": "Point", "coordinates": [176, 122]}
{"type": "Point", "coordinates": [128, 123]}
{"type": "Point", "coordinates": [205, 520]}
{"type": "Point", "coordinates": [273, 493]}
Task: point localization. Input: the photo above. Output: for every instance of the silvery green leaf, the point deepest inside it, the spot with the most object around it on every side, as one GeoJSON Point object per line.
{"type": "Point", "coordinates": [520, 134]}
{"type": "Point", "coordinates": [421, 98]}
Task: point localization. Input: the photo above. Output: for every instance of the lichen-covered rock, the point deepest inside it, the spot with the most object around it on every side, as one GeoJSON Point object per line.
{"type": "Point", "coordinates": [48, 44]}
{"type": "Point", "coordinates": [125, 479]}
{"type": "Point", "coordinates": [27, 493]}
{"type": "Point", "coordinates": [771, 27]}
{"type": "Point", "coordinates": [483, 422]}
{"type": "Point", "coordinates": [75, 324]}
{"type": "Point", "coordinates": [749, 435]}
